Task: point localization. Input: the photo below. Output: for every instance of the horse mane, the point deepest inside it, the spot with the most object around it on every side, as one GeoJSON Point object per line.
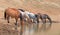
{"type": "Point", "coordinates": [21, 10]}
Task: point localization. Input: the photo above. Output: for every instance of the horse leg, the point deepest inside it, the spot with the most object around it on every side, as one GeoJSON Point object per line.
{"type": "Point", "coordinates": [22, 27]}
{"type": "Point", "coordinates": [22, 24]}
{"type": "Point", "coordinates": [30, 22]}
{"type": "Point", "coordinates": [44, 24]}
{"type": "Point", "coordinates": [36, 25]}
{"type": "Point", "coordinates": [16, 23]}
{"type": "Point", "coordinates": [38, 17]}
{"type": "Point", "coordinates": [49, 20]}
{"type": "Point", "coordinates": [37, 22]}
{"type": "Point", "coordinates": [8, 19]}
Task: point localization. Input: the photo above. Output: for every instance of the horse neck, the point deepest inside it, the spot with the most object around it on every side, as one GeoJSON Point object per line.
{"type": "Point", "coordinates": [21, 12]}
{"type": "Point", "coordinates": [27, 12]}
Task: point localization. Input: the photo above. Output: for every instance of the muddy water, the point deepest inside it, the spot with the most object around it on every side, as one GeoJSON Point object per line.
{"type": "Point", "coordinates": [44, 30]}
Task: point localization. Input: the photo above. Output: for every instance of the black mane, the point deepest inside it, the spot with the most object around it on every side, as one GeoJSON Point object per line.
{"type": "Point", "coordinates": [21, 10]}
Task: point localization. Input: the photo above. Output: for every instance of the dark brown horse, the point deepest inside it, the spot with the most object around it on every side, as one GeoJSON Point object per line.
{"type": "Point", "coordinates": [43, 18]}
{"type": "Point", "coordinates": [14, 13]}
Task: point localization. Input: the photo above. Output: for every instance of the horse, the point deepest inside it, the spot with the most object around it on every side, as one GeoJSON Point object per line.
{"type": "Point", "coordinates": [24, 14]}
{"type": "Point", "coordinates": [14, 13]}
{"type": "Point", "coordinates": [32, 18]}
{"type": "Point", "coordinates": [30, 15]}
{"type": "Point", "coordinates": [43, 17]}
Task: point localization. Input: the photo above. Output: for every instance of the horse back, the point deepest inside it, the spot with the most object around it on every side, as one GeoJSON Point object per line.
{"type": "Point", "coordinates": [12, 12]}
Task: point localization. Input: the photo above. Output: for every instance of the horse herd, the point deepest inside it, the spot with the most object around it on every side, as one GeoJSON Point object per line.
{"type": "Point", "coordinates": [25, 16]}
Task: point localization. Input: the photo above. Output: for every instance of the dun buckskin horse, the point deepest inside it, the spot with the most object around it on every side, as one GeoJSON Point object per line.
{"type": "Point", "coordinates": [14, 13]}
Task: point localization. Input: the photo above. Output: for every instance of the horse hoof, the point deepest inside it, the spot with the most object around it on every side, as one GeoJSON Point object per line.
{"type": "Point", "coordinates": [8, 22]}
{"type": "Point", "coordinates": [15, 23]}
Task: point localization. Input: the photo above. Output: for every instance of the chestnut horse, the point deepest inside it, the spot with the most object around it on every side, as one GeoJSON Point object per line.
{"type": "Point", "coordinates": [14, 13]}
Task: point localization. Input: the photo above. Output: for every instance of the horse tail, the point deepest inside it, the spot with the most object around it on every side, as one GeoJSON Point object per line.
{"type": "Point", "coordinates": [5, 15]}
{"type": "Point", "coordinates": [49, 19]}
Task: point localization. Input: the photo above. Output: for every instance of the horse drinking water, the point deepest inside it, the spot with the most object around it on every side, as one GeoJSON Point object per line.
{"type": "Point", "coordinates": [31, 17]}
{"type": "Point", "coordinates": [28, 14]}
{"type": "Point", "coordinates": [43, 18]}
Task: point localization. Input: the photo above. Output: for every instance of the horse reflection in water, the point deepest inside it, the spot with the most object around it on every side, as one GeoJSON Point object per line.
{"type": "Point", "coordinates": [43, 18]}
{"type": "Point", "coordinates": [14, 13]}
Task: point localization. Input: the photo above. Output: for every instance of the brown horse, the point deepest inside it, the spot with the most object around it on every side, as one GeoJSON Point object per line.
{"type": "Point", "coordinates": [43, 18]}
{"type": "Point", "coordinates": [14, 13]}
